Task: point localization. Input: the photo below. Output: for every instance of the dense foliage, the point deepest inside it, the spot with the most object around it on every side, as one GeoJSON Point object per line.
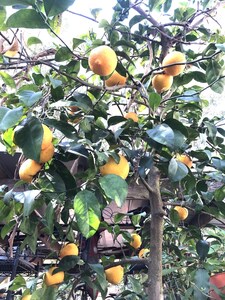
{"type": "Point", "coordinates": [40, 85]}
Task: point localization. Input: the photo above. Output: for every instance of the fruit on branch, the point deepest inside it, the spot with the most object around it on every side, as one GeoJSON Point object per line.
{"type": "Point", "coordinates": [173, 58]}
{"type": "Point", "coordinates": [47, 137]}
{"type": "Point", "coordinates": [112, 167]}
{"type": "Point", "coordinates": [162, 82]}
{"type": "Point", "coordinates": [182, 212]}
{"type": "Point", "coordinates": [143, 253]}
{"type": "Point", "coordinates": [68, 249]}
{"type": "Point", "coordinates": [136, 240]}
{"type": "Point", "coordinates": [115, 79]}
{"type": "Point", "coordinates": [53, 279]}
{"type": "Point", "coordinates": [131, 115]}
{"type": "Point", "coordinates": [102, 60]}
{"type": "Point", "coordinates": [114, 275]}
{"type": "Point", "coordinates": [47, 153]}
{"type": "Point", "coordinates": [28, 169]}
{"type": "Point", "coordinates": [185, 159]}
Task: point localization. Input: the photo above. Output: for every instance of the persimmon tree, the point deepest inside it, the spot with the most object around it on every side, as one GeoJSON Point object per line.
{"type": "Point", "coordinates": [55, 86]}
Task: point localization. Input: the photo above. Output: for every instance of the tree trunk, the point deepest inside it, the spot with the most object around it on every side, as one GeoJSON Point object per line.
{"type": "Point", "coordinates": [155, 289]}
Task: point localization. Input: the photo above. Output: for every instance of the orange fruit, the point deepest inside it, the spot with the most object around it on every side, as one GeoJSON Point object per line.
{"type": "Point", "coordinates": [162, 82]}
{"type": "Point", "coordinates": [115, 79]}
{"type": "Point", "coordinates": [132, 115]}
{"type": "Point", "coordinates": [114, 275]}
{"type": "Point", "coordinates": [47, 137]}
{"type": "Point", "coordinates": [102, 60]}
{"type": "Point", "coordinates": [185, 159]}
{"type": "Point", "coordinates": [28, 169]}
{"type": "Point", "coordinates": [136, 240]}
{"type": "Point", "coordinates": [53, 279]}
{"type": "Point", "coordinates": [68, 249]}
{"type": "Point", "coordinates": [111, 167]}
{"type": "Point", "coordinates": [47, 153]}
{"type": "Point", "coordinates": [173, 58]}
{"type": "Point", "coordinates": [182, 212]}
{"type": "Point", "coordinates": [27, 297]}
{"type": "Point", "coordinates": [143, 253]}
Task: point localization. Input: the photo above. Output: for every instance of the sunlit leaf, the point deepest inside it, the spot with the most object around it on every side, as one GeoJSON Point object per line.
{"type": "Point", "coordinates": [8, 80]}
{"type": "Point", "coordinates": [87, 212]}
{"type": "Point", "coordinates": [115, 188]}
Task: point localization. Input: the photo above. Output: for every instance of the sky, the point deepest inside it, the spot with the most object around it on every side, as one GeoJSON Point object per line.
{"type": "Point", "coordinates": [81, 24]}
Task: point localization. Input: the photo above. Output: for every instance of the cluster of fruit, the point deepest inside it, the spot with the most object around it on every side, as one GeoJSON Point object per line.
{"type": "Point", "coordinates": [54, 276]}
{"type": "Point", "coordinates": [103, 61]}
{"type": "Point", "coordinates": [29, 168]}
{"type": "Point", "coordinates": [114, 275]}
{"type": "Point", "coordinates": [173, 64]}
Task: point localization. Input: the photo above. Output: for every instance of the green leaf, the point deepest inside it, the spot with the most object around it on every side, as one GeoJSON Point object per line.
{"type": "Point", "coordinates": [213, 71]}
{"type": "Point", "coordinates": [63, 54]}
{"type": "Point", "coordinates": [202, 284]}
{"type": "Point", "coordinates": [167, 5]}
{"type": "Point", "coordinates": [29, 98]}
{"type": "Point", "coordinates": [124, 55]}
{"type": "Point", "coordinates": [125, 44]}
{"type": "Point", "coordinates": [9, 117]}
{"type": "Point", "coordinates": [31, 240]}
{"type": "Point", "coordinates": [82, 101]}
{"type": "Point", "coordinates": [67, 129]}
{"type": "Point", "coordinates": [68, 262]}
{"type": "Point", "coordinates": [218, 163]}
{"type": "Point", "coordinates": [29, 201]}
{"type": "Point", "coordinates": [199, 76]}
{"type": "Point", "coordinates": [162, 134]}
{"type": "Point", "coordinates": [220, 193]}
{"type": "Point", "coordinates": [176, 170]}
{"type": "Point", "coordinates": [56, 7]}
{"type": "Point", "coordinates": [2, 16]}
{"type": "Point", "coordinates": [55, 82]}
{"type": "Point", "coordinates": [218, 87]}
{"type": "Point", "coordinates": [26, 18]}
{"type": "Point", "coordinates": [7, 228]}
{"type": "Point", "coordinates": [154, 100]}
{"type": "Point", "coordinates": [28, 225]}
{"type": "Point", "coordinates": [174, 217]}
{"type": "Point", "coordinates": [12, 2]}
{"type": "Point", "coordinates": [99, 270]}
{"type": "Point", "coordinates": [45, 293]}
{"type": "Point", "coordinates": [28, 136]}
{"type": "Point", "coordinates": [115, 188]}
{"type": "Point", "coordinates": [66, 176]}
{"type": "Point", "coordinates": [8, 80]}
{"type": "Point", "coordinates": [87, 212]}
{"type": "Point", "coordinates": [77, 42]}
{"type": "Point", "coordinates": [202, 248]}
{"type": "Point", "coordinates": [49, 218]}
{"type": "Point", "coordinates": [136, 19]}
{"type": "Point", "coordinates": [33, 41]}
{"type": "Point", "coordinates": [18, 282]}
